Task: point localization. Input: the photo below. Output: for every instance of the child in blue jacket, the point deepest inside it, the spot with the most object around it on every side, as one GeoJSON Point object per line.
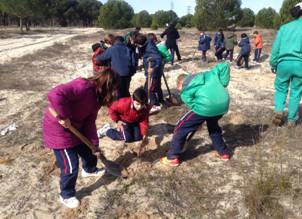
{"type": "Point", "coordinates": [204, 45]}
{"type": "Point", "coordinates": [152, 54]}
{"type": "Point", "coordinates": [245, 51]}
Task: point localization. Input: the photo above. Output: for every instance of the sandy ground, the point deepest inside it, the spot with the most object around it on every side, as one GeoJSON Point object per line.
{"type": "Point", "coordinates": [202, 187]}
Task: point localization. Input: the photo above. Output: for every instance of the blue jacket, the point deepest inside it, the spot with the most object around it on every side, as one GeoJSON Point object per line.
{"type": "Point", "coordinates": [204, 43]}
{"type": "Point", "coordinates": [121, 59]}
{"type": "Point", "coordinates": [245, 46]}
{"type": "Point", "coordinates": [219, 40]}
{"type": "Point", "coordinates": [151, 51]}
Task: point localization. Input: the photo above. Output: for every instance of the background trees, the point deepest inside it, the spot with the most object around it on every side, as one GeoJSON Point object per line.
{"type": "Point", "coordinates": [265, 18]}
{"type": "Point", "coordinates": [213, 14]}
{"type": "Point", "coordinates": [247, 19]}
{"type": "Point", "coordinates": [116, 14]}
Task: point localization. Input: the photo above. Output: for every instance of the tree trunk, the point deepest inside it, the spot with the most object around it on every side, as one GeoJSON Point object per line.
{"type": "Point", "coordinates": [21, 24]}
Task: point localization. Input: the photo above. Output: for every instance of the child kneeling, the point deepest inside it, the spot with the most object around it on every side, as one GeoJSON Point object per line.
{"type": "Point", "coordinates": [205, 94]}
{"type": "Point", "coordinates": [131, 116]}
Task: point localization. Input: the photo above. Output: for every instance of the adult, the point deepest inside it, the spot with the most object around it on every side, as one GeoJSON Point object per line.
{"type": "Point", "coordinates": [286, 61]}
{"type": "Point", "coordinates": [76, 103]}
{"type": "Point", "coordinates": [219, 44]}
{"type": "Point", "coordinates": [171, 42]}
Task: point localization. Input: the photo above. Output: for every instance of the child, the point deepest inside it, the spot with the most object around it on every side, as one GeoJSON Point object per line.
{"type": "Point", "coordinates": [204, 45]}
{"type": "Point", "coordinates": [98, 49]}
{"type": "Point", "coordinates": [258, 45]}
{"type": "Point", "coordinates": [219, 44]}
{"type": "Point", "coordinates": [76, 103]}
{"type": "Point", "coordinates": [208, 100]}
{"type": "Point", "coordinates": [151, 55]}
{"type": "Point", "coordinates": [230, 42]}
{"type": "Point", "coordinates": [245, 46]}
{"type": "Point", "coordinates": [121, 62]}
{"type": "Point", "coordinates": [131, 116]}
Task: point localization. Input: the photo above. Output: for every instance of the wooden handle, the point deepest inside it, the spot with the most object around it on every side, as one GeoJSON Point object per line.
{"type": "Point", "coordinates": [75, 131]}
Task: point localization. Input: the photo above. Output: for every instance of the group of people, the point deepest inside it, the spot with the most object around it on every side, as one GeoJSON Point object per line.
{"type": "Point", "coordinates": [224, 47]}
{"type": "Point", "coordinates": [77, 103]}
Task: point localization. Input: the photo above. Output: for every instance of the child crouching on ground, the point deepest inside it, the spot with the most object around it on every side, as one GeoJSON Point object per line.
{"type": "Point", "coordinates": [131, 116]}
{"type": "Point", "coordinates": [205, 94]}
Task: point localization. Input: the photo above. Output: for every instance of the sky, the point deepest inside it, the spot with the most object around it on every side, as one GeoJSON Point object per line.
{"type": "Point", "coordinates": [181, 6]}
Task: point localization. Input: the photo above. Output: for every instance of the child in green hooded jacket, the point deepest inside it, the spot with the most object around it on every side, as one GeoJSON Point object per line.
{"type": "Point", "coordinates": [206, 95]}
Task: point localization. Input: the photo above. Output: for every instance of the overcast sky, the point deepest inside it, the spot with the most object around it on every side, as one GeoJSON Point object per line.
{"type": "Point", "coordinates": [181, 6]}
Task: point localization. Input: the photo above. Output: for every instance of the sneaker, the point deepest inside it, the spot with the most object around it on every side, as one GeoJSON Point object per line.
{"type": "Point", "coordinates": [155, 109]}
{"type": "Point", "coordinates": [98, 172]}
{"type": "Point", "coordinates": [71, 202]}
{"type": "Point", "coordinates": [102, 131]}
{"type": "Point", "coordinates": [278, 118]}
{"type": "Point", "coordinates": [224, 157]}
{"type": "Point", "coordinates": [291, 124]}
{"type": "Point", "coordinates": [237, 67]}
{"type": "Point", "coordinates": [173, 163]}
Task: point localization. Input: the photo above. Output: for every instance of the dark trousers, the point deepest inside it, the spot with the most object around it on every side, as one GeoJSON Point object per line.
{"type": "Point", "coordinates": [155, 86]}
{"type": "Point", "coordinates": [131, 133]}
{"type": "Point", "coordinates": [124, 86]}
{"type": "Point", "coordinates": [246, 60]}
{"type": "Point", "coordinates": [257, 55]}
{"type": "Point", "coordinates": [219, 53]}
{"type": "Point", "coordinates": [204, 56]}
{"type": "Point", "coordinates": [175, 49]}
{"type": "Point", "coordinates": [68, 162]}
{"type": "Point", "coordinates": [229, 52]}
{"type": "Point", "coordinates": [189, 123]}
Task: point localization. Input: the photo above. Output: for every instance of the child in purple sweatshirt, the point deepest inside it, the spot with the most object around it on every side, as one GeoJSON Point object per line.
{"type": "Point", "coordinates": [76, 102]}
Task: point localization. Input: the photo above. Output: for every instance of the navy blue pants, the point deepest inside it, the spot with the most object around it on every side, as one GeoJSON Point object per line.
{"type": "Point", "coordinates": [124, 85]}
{"type": "Point", "coordinates": [155, 86]}
{"type": "Point", "coordinates": [229, 52]}
{"type": "Point", "coordinates": [189, 123]}
{"type": "Point", "coordinates": [219, 53]}
{"type": "Point", "coordinates": [246, 60]}
{"type": "Point", "coordinates": [68, 162]}
{"type": "Point", "coordinates": [173, 50]}
{"type": "Point", "coordinates": [257, 55]}
{"type": "Point", "coordinates": [131, 133]}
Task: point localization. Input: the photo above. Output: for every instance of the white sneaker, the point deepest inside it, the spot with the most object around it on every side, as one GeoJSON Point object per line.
{"type": "Point", "coordinates": [102, 131]}
{"type": "Point", "coordinates": [155, 109]}
{"type": "Point", "coordinates": [71, 202]}
{"type": "Point", "coordinates": [98, 172]}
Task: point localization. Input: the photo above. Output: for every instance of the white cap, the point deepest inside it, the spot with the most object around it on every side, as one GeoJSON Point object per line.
{"type": "Point", "coordinates": [299, 5]}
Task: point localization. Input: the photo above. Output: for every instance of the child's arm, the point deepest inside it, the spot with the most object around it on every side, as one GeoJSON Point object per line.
{"type": "Point", "coordinates": [105, 56]}
{"type": "Point", "coordinates": [90, 130]}
{"type": "Point", "coordinates": [114, 111]}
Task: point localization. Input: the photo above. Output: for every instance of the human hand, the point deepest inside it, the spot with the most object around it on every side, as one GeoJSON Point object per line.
{"type": "Point", "coordinates": [65, 123]}
{"type": "Point", "coordinates": [119, 126]}
{"type": "Point", "coordinates": [142, 146]}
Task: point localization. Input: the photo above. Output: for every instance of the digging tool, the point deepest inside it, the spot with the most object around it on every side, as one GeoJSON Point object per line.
{"type": "Point", "coordinates": [149, 71]}
{"type": "Point", "coordinates": [110, 166]}
{"type": "Point", "coordinates": [171, 99]}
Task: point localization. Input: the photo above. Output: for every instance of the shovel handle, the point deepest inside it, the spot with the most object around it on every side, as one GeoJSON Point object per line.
{"type": "Point", "coordinates": [149, 60]}
{"type": "Point", "coordinates": [78, 134]}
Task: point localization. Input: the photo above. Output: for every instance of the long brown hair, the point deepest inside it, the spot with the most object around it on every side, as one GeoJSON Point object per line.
{"type": "Point", "coordinates": [107, 82]}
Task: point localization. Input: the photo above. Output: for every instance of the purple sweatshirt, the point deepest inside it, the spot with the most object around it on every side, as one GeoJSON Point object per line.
{"type": "Point", "coordinates": [76, 100]}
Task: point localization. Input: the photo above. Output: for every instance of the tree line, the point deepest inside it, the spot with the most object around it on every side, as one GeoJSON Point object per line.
{"type": "Point", "coordinates": [115, 14]}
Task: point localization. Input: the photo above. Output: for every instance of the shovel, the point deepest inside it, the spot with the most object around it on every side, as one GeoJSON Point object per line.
{"type": "Point", "coordinates": [171, 99]}
{"type": "Point", "coordinates": [149, 71]}
{"type": "Point", "coordinates": [110, 166]}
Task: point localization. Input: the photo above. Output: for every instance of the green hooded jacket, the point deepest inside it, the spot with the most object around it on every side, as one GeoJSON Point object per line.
{"type": "Point", "coordinates": [166, 55]}
{"type": "Point", "coordinates": [205, 93]}
{"type": "Point", "coordinates": [288, 43]}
